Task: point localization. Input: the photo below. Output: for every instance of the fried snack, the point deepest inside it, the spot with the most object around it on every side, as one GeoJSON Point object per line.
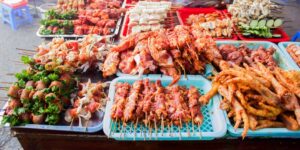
{"type": "Point", "coordinates": [257, 97]}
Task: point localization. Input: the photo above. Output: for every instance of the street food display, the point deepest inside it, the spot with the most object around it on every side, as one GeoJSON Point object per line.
{"type": "Point", "coordinates": [69, 82]}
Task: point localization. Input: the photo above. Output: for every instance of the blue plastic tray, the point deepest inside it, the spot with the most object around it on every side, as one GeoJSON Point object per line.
{"type": "Point", "coordinates": [267, 132]}
{"type": "Point", "coordinates": [282, 46]}
{"type": "Point", "coordinates": [214, 125]}
{"type": "Point", "coordinates": [94, 125]}
{"type": "Point", "coordinates": [284, 63]}
{"type": "Point", "coordinates": [281, 59]}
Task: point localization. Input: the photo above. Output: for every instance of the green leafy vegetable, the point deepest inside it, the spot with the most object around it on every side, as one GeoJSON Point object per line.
{"type": "Point", "coordinates": [27, 60]}
{"type": "Point", "coordinates": [53, 77]}
{"type": "Point", "coordinates": [52, 118]}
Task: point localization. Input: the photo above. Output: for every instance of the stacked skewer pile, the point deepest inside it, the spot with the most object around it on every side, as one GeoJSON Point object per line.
{"type": "Point", "coordinates": [169, 51]}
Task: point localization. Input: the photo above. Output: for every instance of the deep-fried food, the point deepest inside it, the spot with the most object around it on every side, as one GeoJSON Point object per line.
{"type": "Point", "coordinates": [257, 97]}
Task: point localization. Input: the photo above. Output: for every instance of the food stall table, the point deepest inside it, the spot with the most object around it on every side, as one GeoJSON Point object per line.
{"type": "Point", "coordinates": [35, 139]}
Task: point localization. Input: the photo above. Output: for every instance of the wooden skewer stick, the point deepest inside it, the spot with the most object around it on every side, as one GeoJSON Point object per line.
{"type": "Point", "coordinates": [130, 130]}
{"type": "Point", "coordinates": [4, 100]}
{"type": "Point", "coordinates": [110, 131]}
{"type": "Point", "coordinates": [144, 132]}
{"type": "Point", "coordinates": [4, 82]}
{"type": "Point", "coordinates": [119, 126]}
{"type": "Point", "coordinates": [28, 50]}
{"type": "Point", "coordinates": [26, 54]}
{"type": "Point", "coordinates": [180, 125]}
{"type": "Point", "coordinates": [122, 130]}
{"type": "Point", "coordinates": [188, 129]}
{"type": "Point", "coordinates": [162, 126]}
{"type": "Point", "coordinates": [86, 126]}
{"type": "Point", "coordinates": [135, 126]}
{"type": "Point", "coordinates": [200, 133]}
{"type": "Point", "coordinates": [171, 128]}
{"type": "Point", "coordinates": [150, 131]}
{"type": "Point", "coordinates": [115, 124]}
{"type": "Point", "coordinates": [10, 74]}
{"type": "Point", "coordinates": [155, 126]}
{"type": "Point", "coordinates": [71, 124]}
{"type": "Point", "coordinates": [80, 123]}
{"type": "Point", "coordinates": [193, 126]}
{"type": "Point", "coordinates": [4, 88]}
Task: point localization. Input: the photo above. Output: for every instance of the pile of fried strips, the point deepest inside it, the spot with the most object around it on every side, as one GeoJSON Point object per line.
{"type": "Point", "coordinates": [257, 97]}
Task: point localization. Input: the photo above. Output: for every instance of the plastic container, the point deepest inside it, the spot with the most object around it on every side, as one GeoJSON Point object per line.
{"type": "Point", "coordinates": [266, 132]}
{"type": "Point", "coordinates": [95, 124]}
{"type": "Point", "coordinates": [283, 46]}
{"type": "Point", "coordinates": [184, 13]}
{"type": "Point", "coordinates": [280, 31]}
{"type": "Point", "coordinates": [284, 63]}
{"type": "Point", "coordinates": [281, 59]}
{"type": "Point", "coordinates": [44, 8]}
{"type": "Point", "coordinates": [214, 125]}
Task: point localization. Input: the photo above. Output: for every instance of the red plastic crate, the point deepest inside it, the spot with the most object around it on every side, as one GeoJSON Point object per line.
{"type": "Point", "coordinates": [131, 2]}
{"type": "Point", "coordinates": [184, 13]}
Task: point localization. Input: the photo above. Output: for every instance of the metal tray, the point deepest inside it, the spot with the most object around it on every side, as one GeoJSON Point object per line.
{"type": "Point", "coordinates": [116, 30]}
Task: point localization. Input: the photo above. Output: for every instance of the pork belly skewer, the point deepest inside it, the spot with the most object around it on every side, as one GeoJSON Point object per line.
{"type": "Point", "coordinates": [181, 112]}
{"type": "Point", "coordinates": [122, 90]}
{"type": "Point", "coordinates": [159, 105]}
{"type": "Point", "coordinates": [194, 106]}
{"type": "Point", "coordinates": [139, 108]}
{"type": "Point", "coordinates": [131, 104]}
{"type": "Point", "coordinates": [148, 102]}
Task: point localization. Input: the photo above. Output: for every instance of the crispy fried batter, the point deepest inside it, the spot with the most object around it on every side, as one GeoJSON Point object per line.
{"type": "Point", "coordinates": [258, 97]}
